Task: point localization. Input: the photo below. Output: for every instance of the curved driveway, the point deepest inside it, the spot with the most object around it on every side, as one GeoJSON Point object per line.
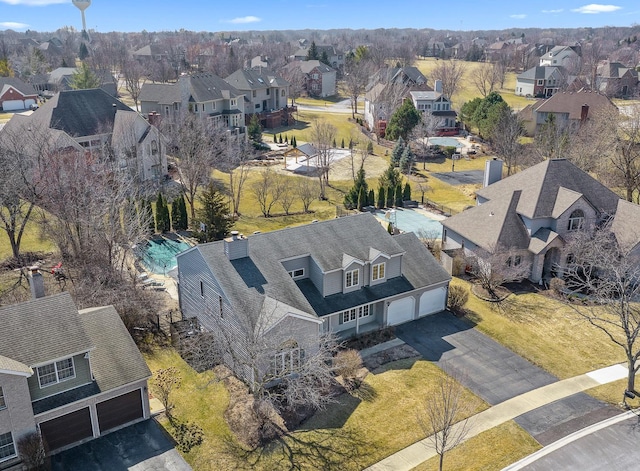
{"type": "Point", "coordinates": [496, 374]}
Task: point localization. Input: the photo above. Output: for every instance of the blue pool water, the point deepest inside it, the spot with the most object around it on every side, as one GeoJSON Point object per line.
{"type": "Point", "coordinates": [408, 220]}
{"type": "Point", "coordinates": [444, 141]}
{"type": "Point", "coordinates": [159, 255]}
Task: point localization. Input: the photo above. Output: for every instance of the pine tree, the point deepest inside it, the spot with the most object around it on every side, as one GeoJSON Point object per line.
{"type": "Point", "coordinates": [406, 193]}
{"type": "Point", "coordinates": [312, 54]}
{"type": "Point", "coordinates": [381, 198]}
{"type": "Point", "coordinates": [295, 142]}
{"type": "Point", "coordinates": [175, 214]}
{"type": "Point", "coordinates": [163, 221]}
{"type": "Point", "coordinates": [280, 138]}
{"type": "Point", "coordinates": [390, 194]}
{"type": "Point", "coordinates": [362, 198]}
{"type": "Point", "coordinates": [147, 207]}
{"type": "Point", "coordinates": [342, 144]}
{"type": "Point", "coordinates": [275, 138]}
{"type": "Point", "coordinates": [406, 160]}
{"type": "Point", "coordinates": [399, 195]}
{"type": "Point", "coordinates": [83, 52]}
{"type": "Point", "coordinates": [396, 154]}
{"type": "Point", "coordinates": [371, 200]}
{"type": "Point", "coordinates": [286, 139]}
{"type": "Point", "coordinates": [352, 198]}
{"type": "Point", "coordinates": [213, 213]}
{"type": "Point", "coordinates": [334, 143]}
{"type": "Point", "coordinates": [84, 78]}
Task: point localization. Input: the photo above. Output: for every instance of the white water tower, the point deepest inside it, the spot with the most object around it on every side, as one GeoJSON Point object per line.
{"type": "Point", "coordinates": [82, 5]}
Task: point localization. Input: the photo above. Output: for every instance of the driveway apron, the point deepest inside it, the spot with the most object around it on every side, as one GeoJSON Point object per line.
{"type": "Point", "coordinates": [496, 374]}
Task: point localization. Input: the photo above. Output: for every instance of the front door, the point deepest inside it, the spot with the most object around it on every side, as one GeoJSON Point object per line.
{"type": "Point", "coordinates": [551, 261]}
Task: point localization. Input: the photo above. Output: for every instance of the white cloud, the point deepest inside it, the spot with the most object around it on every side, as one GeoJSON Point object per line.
{"type": "Point", "coordinates": [519, 16]}
{"type": "Point", "coordinates": [594, 8]}
{"type": "Point", "coordinates": [559, 10]}
{"type": "Point", "coordinates": [13, 25]}
{"type": "Point", "coordinates": [34, 3]}
{"type": "Point", "coordinates": [244, 20]}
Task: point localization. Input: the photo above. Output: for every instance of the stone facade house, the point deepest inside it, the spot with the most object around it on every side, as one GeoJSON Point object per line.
{"type": "Point", "coordinates": [616, 80]}
{"type": "Point", "coordinates": [540, 81]}
{"type": "Point", "coordinates": [319, 79]}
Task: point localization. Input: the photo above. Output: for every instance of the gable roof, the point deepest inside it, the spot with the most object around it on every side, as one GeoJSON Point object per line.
{"type": "Point", "coordinates": [162, 93]}
{"type": "Point", "coordinates": [13, 82]}
{"type": "Point", "coordinates": [538, 73]}
{"type": "Point", "coordinates": [206, 87]}
{"type": "Point", "coordinates": [9, 366]}
{"type": "Point", "coordinates": [80, 112]}
{"type": "Point", "coordinates": [544, 183]}
{"type": "Point", "coordinates": [255, 79]}
{"type": "Point", "coordinates": [308, 66]}
{"type": "Point", "coordinates": [116, 360]}
{"type": "Point", "coordinates": [625, 225]}
{"type": "Point", "coordinates": [557, 50]}
{"type": "Point", "coordinates": [570, 102]}
{"type": "Point", "coordinates": [41, 330]}
{"type": "Point", "coordinates": [248, 281]}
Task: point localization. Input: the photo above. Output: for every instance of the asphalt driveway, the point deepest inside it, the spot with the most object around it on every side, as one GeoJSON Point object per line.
{"type": "Point", "coordinates": [496, 374]}
{"type": "Point", "coordinates": [140, 447]}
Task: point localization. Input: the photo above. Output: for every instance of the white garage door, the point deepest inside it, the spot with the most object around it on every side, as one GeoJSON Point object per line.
{"type": "Point", "coordinates": [432, 301]}
{"type": "Point", "coordinates": [400, 311]}
{"type": "Point", "coordinates": [28, 102]}
{"type": "Point", "coordinates": [11, 105]}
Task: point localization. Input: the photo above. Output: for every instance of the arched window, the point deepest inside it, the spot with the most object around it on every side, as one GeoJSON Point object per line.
{"type": "Point", "coordinates": [576, 220]}
{"type": "Point", "coordinates": [154, 147]}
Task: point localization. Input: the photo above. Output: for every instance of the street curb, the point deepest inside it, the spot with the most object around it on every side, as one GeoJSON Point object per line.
{"type": "Point", "coordinates": [527, 460]}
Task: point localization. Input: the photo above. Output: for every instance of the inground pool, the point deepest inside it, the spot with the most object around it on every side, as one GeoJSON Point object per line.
{"type": "Point", "coordinates": [159, 255]}
{"type": "Point", "coordinates": [445, 142]}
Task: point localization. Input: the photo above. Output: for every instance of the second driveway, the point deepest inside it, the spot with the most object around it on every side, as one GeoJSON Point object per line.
{"type": "Point", "coordinates": [496, 374]}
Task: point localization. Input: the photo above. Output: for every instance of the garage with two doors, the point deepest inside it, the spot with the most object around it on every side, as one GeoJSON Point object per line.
{"type": "Point", "coordinates": [402, 310]}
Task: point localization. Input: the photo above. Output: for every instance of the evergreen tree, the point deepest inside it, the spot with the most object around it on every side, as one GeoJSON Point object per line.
{"type": "Point", "coordinates": [163, 221]}
{"type": "Point", "coordinates": [406, 160]}
{"type": "Point", "coordinates": [399, 195]}
{"type": "Point", "coordinates": [312, 54]}
{"type": "Point", "coordinates": [83, 52]}
{"type": "Point", "coordinates": [402, 121]}
{"type": "Point", "coordinates": [390, 228]}
{"type": "Point", "coordinates": [350, 144]}
{"type": "Point", "coordinates": [324, 58]}
{"type": "Point", "coordinates": [184, 218]}
{"type": "Point", "coordinates": [84, 78]}
{"type": "Point", "coordinates": [390, 194]}
{"type": "Point", "coordinates": [255, 129]}
{"type": "Point", "coordinates": [295, 142]}
{"type": "Point", "coordinates": [342, 144]}
{"type": "Point", "coordinates": [396, 153]}
{"type": "Point", "coordinates": [390, 178]}
{"type": "Point", "coordinates": [362, 198]}
{"type": "Point", "coordinates": [406, 194]}
{"type": "Point", "coordinates": [281, 138]}
{"type": "Point", "coordinates": [148, 208]}
{"type": "Point", "coordinates": [370, 147]}
{"type": "Point", "coordinates": [175, 214]}
{"type": "Point", "coordinates": [275, 138]}
{"type": "Point", "coordinates": [371, 200]}
{"type": "Point", "coordinates": [214, 214]}
{"type": "Point", "coordinates": [286, 139]}
{"type": "Point", "coordinates": [352, 198]}
{"type": "Point", "coordinates": [381, 198]}
{"type": "Point", "coordinates": [334, 143]}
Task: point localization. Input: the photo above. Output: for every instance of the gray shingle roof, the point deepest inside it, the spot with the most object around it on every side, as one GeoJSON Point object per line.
{"type": "Point", "coordinates": [116, 360]}
{"type": "Point", "coordinates": [207, 87]}
{"type": "Point", "coordinates": [22, 87]}
{"type": "Point", "coordinates": [255, 79]}
{"type": "Point", "coordinates": [568, 102]}
{"type": "Point", "coordinates": [42, 329]}
{"type": "Point", "coordinates": [538, 72]}
{"type": "Point", "coordinates": [163, 93]}
{"type": "Point", "coordinates": [625, 225]}
{"type": "Point", "coordinates": [248, 280]}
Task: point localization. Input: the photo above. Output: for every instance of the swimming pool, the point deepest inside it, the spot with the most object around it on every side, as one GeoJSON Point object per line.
{"type": "Point", "coordinates": [408, 220]}
{"type": "Point", "coordinates": [444, 141]}
{"type": "Point", "coordinates": [159, 255]}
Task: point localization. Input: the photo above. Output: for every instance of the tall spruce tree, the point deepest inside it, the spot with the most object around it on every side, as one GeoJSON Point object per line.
{"type": "Point", "coordinates": [406, 194]}
{"type": "Point", "coordinates": [399, 195]}
{"type": "Point", "coordinates": [381, 198]}
{"type": "Point", "coordinates": [214, 215]}
{"type": "Point", "coordinates": [396, 153]}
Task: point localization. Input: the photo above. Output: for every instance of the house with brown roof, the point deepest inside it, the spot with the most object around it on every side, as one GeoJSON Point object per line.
{"type": "Point", "coordinates": [532, 214]}
{"type": "Point", "coordinates": [616, 80]}
{"type": "Point", "coordinates": [540, 81]}
{"type": "Point", "coordinates": [569, 109]}
{"type": "Point", "coordinates": [70, 375]}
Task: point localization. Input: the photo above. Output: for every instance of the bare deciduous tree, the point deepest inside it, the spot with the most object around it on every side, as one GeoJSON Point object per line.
{"type": "Point", "coordinates": [267, 190]}
{"type": "Point", "coordinates": [608, 273]}
{"type": "Point", "coordinates": [322, 135]}
{"type": "Point", "coordinates": [425, 129]}
{"type": "Point", "coordinates": [450, 73]}
{"type": "Point", "coordinates": [444, 418]}
{"type": "Point", "coordinates": [236, 155]}
{"type": "Point", "coordinates": [625, 160]}
{"type": "Point", "coordinates": [506, 142]}
{"type": "Point", "coordinates": [287, 195]}
{"type": "Point", "coordinates": [133, 79]}
{"type": "Point", "coordinates": [485, 78]}
{"type": "Point", "coordinates": [306, 190]}
{"type": "Point", "coordinates": [164, 382]}
{"type": "Point", "coordinates": [356, 77]}
{"type": "Point", "coordinates": [494, 268]}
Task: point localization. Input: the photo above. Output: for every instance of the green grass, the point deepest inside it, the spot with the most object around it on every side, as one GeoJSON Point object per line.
{"type": "Point", "coordinates": [302, 130]}
{"type": "Point", "coordinates": [488, 451]}
{"type": "Point", "coordinates": [319, 101]}
{"type": "Point", "coordinates": [546, 332]}
{"type": "Point", "coordinates": [32, 240]}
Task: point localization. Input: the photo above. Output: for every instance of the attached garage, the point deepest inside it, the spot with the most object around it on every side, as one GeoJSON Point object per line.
{"type": "Point", "coordinates": [433, 301]}
{"type": "Point", "coordinates": [400, 311]}
{"type": "Point", "coordinates": [68, 429]}
{"type": "Point", "coordinates": [12, 105]}
{"type": "Point", "coordinates": [120, 410]}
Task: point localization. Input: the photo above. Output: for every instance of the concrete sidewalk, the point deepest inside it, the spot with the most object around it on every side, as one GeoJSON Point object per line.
{"type": "Point", "coordinates": [410, 457]}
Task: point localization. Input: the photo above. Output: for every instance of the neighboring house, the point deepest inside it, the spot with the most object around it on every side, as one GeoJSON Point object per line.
{"type": "Point", "coordinates": [15, 95]}
{"type": "Point", "coordinates": [319, 78]}
{"type": "Point", "coordinates": [71, 375]}
{"type": "Point", "coordinates": [540, 81]}
{"type": "Point", "coordinates": [532, 213]}
{"type": "Point", "coordinates": [570, 110]}
{"type": "Point", "coordinates": [625, 227]}
{"type": "Point", "coordinates": [156, 52]}
{"type": "Point", "coordinates": [562, 56]}
{"type": "Point", "coordinates": [376, 107]}
{"type": "Point", "coordinates": [206, 95]}
{"type": "Point", "coordinates": [259, 61]}
{"type": "Point", "coordinates": [335, 56]}
{"type": "Point", "coordinates": [616, 80]}
{"type": "Point", "coordinates": [60, 79]}
{"type": "Point", "coordinates": [408, 76]}
{"type": "Point", "coordinates": [87, 120]}
{"type": "Point", "coordinates": [266, 95]}
{"type": "Point", "coordinates": [437, 104]}
{"type": "Point", "coordinates": [347, 275]}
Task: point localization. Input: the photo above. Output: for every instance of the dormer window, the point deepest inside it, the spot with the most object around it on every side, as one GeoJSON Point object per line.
{"type": "Point", "coordinates": [576, 220]}
{"type": "Point", "coordinates": [234, 102]}
{"type": "Point", "coordinates": [57, 372]}
{"type": "Point", "coordinates": [377, 271]}
{"type": "Point", "coordinates": [298, 273]}
{"type": "Point", "coordinates": [351, 278]}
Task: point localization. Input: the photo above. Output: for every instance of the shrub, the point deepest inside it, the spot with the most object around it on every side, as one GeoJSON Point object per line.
{"type": "Point", "coordinates": [557, 285]}
{"type": "Point", "coordinates": [32, 452]}
{"type": "Point", "coordinates": [347, 363]}
{"type": "Point", "coordinates": [458, 296]}
{"type": "Point", "coordinates": [187, 435]}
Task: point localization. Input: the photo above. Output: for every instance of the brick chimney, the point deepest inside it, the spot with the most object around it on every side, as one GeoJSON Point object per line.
{"type": "Point", "coordinates": [36, 282]}
{"type": "Point", "coordinates": [236, 246]}
{"type": "Point", "coordinates": [584, 113]}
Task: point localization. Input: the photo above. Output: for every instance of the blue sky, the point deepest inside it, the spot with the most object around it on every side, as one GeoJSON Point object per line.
{"type": "Point", "coordinates": [239, 15]}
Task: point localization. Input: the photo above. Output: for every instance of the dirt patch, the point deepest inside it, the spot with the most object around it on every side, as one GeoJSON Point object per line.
{"type": "Point", "coordinates": [391, 354]}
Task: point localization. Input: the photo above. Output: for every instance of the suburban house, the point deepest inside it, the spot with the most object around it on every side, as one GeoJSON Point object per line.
{"type": "Point", "coordinates": [91, 120]}
{"type": "Point", "coordinates": [70, 375]}
{"type": "Point", "coordinates": [266, 95]}
{"type": "Point", "coordinates": [60, 79]}
{"type": "Point", "coordinates": [335, 57]}
{"type": "Point", "coordinates": [570, 110]}
{"type": "Point", "coordinates": [158, 52]}
{"type": "Point", "coordinates": [437, 104]}
{"type": "Point", "coordinates": [532, 214]}
{"type": "Point", "coordinates": [616, 80]}
{"type": "Point", "coordinates": [347, 275]}
{"type": "Point", "coordinates": [319, 79]}
{"type": "Point", "coordinates": [625, 227]}
{"type": "Point", "coordinates": [409, 76]}
{"type": "Point", "coordinates": [540, 81]}
{"type": "Point", "coordinates": [563, 56]}
{"type": "Point", "coordinates": [15, 95]}
{"type": "Point", "coordinates": [206, 95]}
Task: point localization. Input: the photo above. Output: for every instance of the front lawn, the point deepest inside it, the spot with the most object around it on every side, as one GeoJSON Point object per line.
{"type": "Point", "coordinates": [357, 431]}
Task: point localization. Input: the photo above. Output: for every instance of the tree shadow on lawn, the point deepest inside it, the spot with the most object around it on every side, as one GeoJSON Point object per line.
{"type": "Point", "coordinates": [298, 126]}
{"type": "Point", "coordinates": [326, 449]}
